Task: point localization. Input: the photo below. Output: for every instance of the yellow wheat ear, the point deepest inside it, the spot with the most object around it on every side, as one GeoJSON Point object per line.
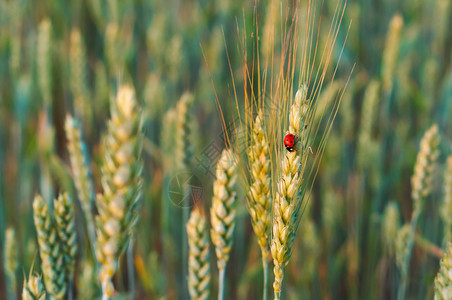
{"type": "Point", "coordinates": [222, 212]}
{"type": "Point", "coordinates": [121, 182]}
{"type": "Point", "coordinates": [443, 281]}
{"type": "Point", "coordinates": [198, 256]}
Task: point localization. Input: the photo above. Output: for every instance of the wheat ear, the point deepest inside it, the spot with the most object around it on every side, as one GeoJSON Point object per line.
{"type": "Point", "coordinates": [446, 206]}
{"type": "Point", "coordinates": [421, 185]}
{"type": "Point", "coordinates": [44, 61]}
{"type": "Point", "coordinates": [198, 256]}
{"type": "Point", "coordinates": [121, 182]}
{"type": "Point", "coordinates": [33, 289]}
{"type": "Point", "coordinates": [52, 258]}
{"type": "Point", "coordinates": [259, 200]}
{"type": "Point", "coordinates": [222, 213]}
{"type": "Point", "coordinates": [81, 172]}
{"type": "Point", "coordinates": [287, 203]}
{"type": "Point", "coordinates": [64, 217]}
{"type": "Point", "coordinates": [390, 227]}
{"type": "Point", "coordinates": [443, 281]}
{"type": "Point", "coordinates": [11, 257]}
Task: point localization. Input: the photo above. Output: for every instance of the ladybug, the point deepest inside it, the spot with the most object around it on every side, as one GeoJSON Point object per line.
{"type": "Point", "coordinates": [289, 142]}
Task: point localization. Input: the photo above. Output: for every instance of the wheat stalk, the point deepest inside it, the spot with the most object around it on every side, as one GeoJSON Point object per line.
{"type": "Point", "coordinates": [222, 212]}
{"type": "Point", "coordinates": [121, 182]}
{"type": "Point", "coordinates": [198, 256]}
{"type": "Point", "coordinates": [52, 257]}
{"type": "Point", "coordinates": [287, 203]}
{"type": "Point", "coordinates": [33, 289]}
{"type": "Point", "coordinates": [443, 281]}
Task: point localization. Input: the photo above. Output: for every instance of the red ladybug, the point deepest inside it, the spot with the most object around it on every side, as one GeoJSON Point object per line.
{"type": "Point", "coordinates": [289, 142]}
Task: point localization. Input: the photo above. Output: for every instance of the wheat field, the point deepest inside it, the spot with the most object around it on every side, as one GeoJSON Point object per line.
{"type": "Point", "coordinates": [226, 149]}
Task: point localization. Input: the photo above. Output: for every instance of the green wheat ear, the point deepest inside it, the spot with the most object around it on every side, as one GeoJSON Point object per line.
{"type": "Point", "coordinates": [390, 228]}
{"type": "Point", "coordinates": [81, 172]}
{"type": "Point", "coordinates": [33, 289]}
{"type": "Point", "coordinates": [64, 217]}
{"type": "Point", "coordinates": [11, 257]}
{"type": "Point", "coordinates": [121, 182]}
{"type": "Point", "coordinates": [443, 281]}
{"type": "Point", "coordinates": [52, 256]}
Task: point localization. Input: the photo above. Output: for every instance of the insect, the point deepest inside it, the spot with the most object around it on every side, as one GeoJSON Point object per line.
{"type": "Point", "coordinates": [289, 142]}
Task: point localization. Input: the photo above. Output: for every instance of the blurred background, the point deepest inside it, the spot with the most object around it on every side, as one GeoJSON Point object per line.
{"type": "Point", "coordinates": [68, 57]}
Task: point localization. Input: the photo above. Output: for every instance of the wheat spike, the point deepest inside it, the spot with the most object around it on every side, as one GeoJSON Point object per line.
{"type": "Point", "coordinates": [421, 184]}
{"type": "Point", "coordinates": [443, 281]}
{"type": "Point", "coordinates": [390, 52]}
{"type": "Point", "coordinates": [183, 145]}
{"type": "Point", "coordinates": [52, 258]}
{"type": "Point", "coordinates": [446, 206]}
{"type": "Point", "coordinates": [121, 182]}
{"type": "Point", "coordinates": [421, 181]}
{"type": "Point", "coordinates": [390, 227]}
{"type": "Point", "coordinates": [222, 212]}
{"type": "Point", "coordinates": [287, 203]}
{"type": "Point", "coordinates": [11, 256]}
{"type": "Point", "coordinates": [81, 171]}
{"type": "Point", "coordinates": [64, 217]}
{"type": "Point", "coordinates": [78, 77]}
{"type": "Point", "coordinates": [44, 60]}
{"type": "Point", "coordinates": [33, 289]}
{"type": "Point", "coordinates": [259, 200]}
{"type": "Point", "coordinates": [198, 261]}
